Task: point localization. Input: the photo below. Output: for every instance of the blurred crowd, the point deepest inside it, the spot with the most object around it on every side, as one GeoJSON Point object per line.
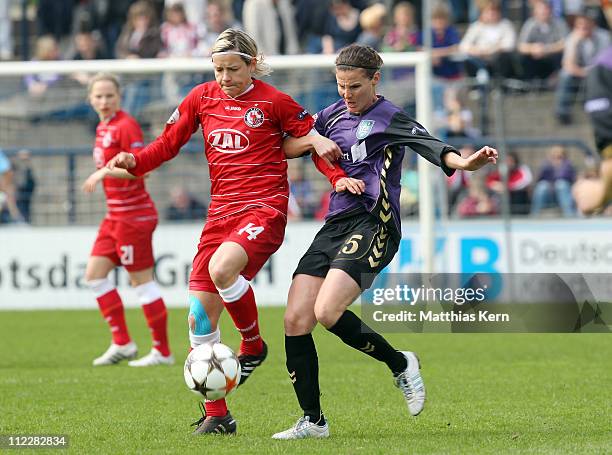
{"type": "Point", "coordinates": [544, 43]}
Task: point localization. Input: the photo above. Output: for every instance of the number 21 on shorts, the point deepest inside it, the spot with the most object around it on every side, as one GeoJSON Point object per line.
{"type": "Point", "coordinates": [252, 231]}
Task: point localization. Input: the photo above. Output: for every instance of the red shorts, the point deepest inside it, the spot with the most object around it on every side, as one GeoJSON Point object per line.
{"type": "Point", "coordinates": [126, 243]}
{"type": "Point", "coordinates": [260, 231]}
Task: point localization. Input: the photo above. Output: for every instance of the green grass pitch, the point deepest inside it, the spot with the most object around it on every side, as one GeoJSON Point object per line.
{"type": "Point", "coordinates": [487, 393]}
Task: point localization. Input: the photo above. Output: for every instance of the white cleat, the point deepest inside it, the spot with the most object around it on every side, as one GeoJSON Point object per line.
{"type": "Point", "coordinates": [116, 353]}
{"type": "Point", "coordinates": [304, 428]}
{"type": "Point", "coordinates": [151, 359]}
{"type": "Point", "coordinates": [411, 384]}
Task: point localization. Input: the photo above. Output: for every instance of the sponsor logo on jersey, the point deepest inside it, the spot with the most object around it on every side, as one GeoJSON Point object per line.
{"type": "Point", "coordinates": [107, 140]}
{"type": "Point", "coordinates": [233, 108]}
{"type": "Point", "coordinates": [254, 117]}
{"type": "Point", "coordinates": [302, 115]}
{"type": "Point", "coordinates": [364, 128]}
{"type": "Point", "coordinates": [227, 140]}
{"type": "Point", "coordinates": [415, 130]}
{"type": "Point", "coordinates": [174, 117]}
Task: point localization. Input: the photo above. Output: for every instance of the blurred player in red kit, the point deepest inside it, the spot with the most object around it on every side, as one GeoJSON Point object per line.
{"type": "Point", "coordinates": [243, 122]}
{"type": "Point", "coordinates": [125, 235]}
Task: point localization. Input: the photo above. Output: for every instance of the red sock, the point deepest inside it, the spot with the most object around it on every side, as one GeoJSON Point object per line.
{"type": "Point", "coordinates": [111, 307]}
{"type": "Point", "coordinates": [244, 314]}
{"type": "Point", "coordinates": [157, 317]}
{"type": "Point", "coordinates": [217, 408]}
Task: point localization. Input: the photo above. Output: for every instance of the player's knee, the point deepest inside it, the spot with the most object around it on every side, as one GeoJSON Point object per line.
{"type": "Point", "coordinates": [100, 286]}
{"type": "Point", "coordinates": [297, 324]}
{"type": "Point", "coordinates": [198, 321]}
{"type": "Point", "coordinates": [222, 275]}
{"type": "Point", "coordinates": [326, 315]}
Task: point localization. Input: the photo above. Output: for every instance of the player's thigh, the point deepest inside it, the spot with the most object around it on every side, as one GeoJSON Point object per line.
{"type": "Point", "coordinates": [134, 244]}
{"type": "Point", "coordinates": [367, 250]}
{"type": "Point", "coordinates": [300, 317]}
{"type": "Point", "coordinates": [337, 292]}
{"type": "Point", "coordinates": [260, 232]}
{"type": "Point", "coordinates": [211, 303]}
{"type": "Point", "coordinates": [226, 263]}
{"type": "Point", "coordinates": [98, 267]}
{"type": "Point", "coordinates": [103, 247]}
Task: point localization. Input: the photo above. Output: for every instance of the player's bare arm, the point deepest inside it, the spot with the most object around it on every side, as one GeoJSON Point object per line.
{"type": "Point", "coordinates": [122, 160]}
{"type": "Point", "coordinates": [327, 149]}
{"type": "Point", "coordinates": [475, 161]}
{"type": "Point", "coordinates": [90, 183]}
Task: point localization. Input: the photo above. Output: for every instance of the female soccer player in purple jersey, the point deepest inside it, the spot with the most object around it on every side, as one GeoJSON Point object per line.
{"type": "Point", "coordinates": [361, 232]}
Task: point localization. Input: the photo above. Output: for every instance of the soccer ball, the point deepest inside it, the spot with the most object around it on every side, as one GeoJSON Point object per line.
{"type": "Point", "coordinates": [212, 371]}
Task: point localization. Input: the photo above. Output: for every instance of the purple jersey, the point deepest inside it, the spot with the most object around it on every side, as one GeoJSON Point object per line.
{"type": "Point", "coordinates": [373, 146]}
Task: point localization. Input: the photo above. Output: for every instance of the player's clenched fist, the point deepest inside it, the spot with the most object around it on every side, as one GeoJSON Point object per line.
{"type": "Point", "coordinates": [123, 160]}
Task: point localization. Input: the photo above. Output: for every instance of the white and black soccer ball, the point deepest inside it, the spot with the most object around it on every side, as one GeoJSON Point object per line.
{"type": "Point", "coordinates": [212, 371]}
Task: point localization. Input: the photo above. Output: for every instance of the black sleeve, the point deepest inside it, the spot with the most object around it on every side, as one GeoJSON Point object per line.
{"type": "Point", "coordinates": [403, 130]}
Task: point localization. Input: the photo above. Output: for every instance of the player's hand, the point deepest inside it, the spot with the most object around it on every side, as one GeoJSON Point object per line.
{"type": "Point", "coordinates": [480, 158]}
{"type": "Point", "coordinates": [89, 186]}
{"type": "Point", "coordinates": [327, 149]}
{"type": "Point", "coordinates": [351, 185]}
{"type": "Point", "coordinates": [123, 160]}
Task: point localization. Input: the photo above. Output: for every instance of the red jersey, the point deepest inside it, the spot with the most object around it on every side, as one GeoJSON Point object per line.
{"type": "Point", "coordinates": [126, 200]}
{"type": "Point", "coordinates": [243, 140]}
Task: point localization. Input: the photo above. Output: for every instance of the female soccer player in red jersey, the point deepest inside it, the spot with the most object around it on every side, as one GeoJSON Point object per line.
{"type": "Point", "coordinates": [125, 235]}
{"type": "Point", "coordinates": [243, 122]}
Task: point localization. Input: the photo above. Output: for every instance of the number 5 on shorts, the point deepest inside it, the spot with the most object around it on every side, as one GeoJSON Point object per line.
{"type": "Point", "coordinates": [252, 230]}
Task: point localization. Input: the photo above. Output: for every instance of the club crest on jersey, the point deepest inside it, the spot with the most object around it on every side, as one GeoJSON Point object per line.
{"type": "Point", "coordinates": [227, 140]}
{"type": "Point", "coordinates": [174, 117]}
{"type": "Point", "coordinates": [364, 128]}
{"type": "Point", "coordinates": [107, 140]}
{"type": "Point", "coordinates": [254, 117]}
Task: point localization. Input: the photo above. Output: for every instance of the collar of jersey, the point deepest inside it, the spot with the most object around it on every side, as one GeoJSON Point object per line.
{"type": "Point", "coordinates": [376, 103]}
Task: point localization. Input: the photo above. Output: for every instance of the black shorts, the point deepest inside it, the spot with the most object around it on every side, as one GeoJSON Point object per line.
{"type": "Point", "coordinates": [361, 246]}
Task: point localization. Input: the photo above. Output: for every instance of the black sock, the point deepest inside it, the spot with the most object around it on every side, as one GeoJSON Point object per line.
{"type": "Point", "coordinates": [303, 368]}
{"type": "Point", "coordinates": [354, 332]}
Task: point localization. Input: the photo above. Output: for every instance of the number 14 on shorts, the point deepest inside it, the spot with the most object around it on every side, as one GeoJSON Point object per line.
{"type": "Point", "coordinates": [252, 231]}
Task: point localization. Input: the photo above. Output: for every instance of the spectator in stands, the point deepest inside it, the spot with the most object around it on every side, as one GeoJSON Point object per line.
{"type": "Point", "coordinates": [581, 48]}
{"type": "Point", "coordinates": [8, 205]}
{"type": "Point", "coordinates": [541, 42]}
{"type": "Point", "coordinates": [445, 42]}
{"type": "Point", "coordinates": [87, 46]}
{"type": "Point", "coordinates": [477, 201]}
{"type": "Point", "coordinates": [305, 199]}
{"type": "Point", "coordinates": [457, 117]}
{"type": "Point", "coordinates": [310, 17]}
{"type": "Point", "coordinates": [195, 10]}
{"type": "Point", "coordinates": [54, 18]}
{"type": "Point", "coordinates": [341, 26]}
{"type": "Point", "coordinates": [409, 195]}
{"type": "Point", "coordinates": [140, 37]}
{"type": "Point", "coordinates": [403, 36]}
{"type": "Point", "coordinates": [488, 44]}
{"type": "Point", "coordinates": [178, 36]}
{"type": "Point", "coordinates": [46, 49]}
{"type": "Point", "coordinates": [217, 18]}
{"type": "Point", "coordinates": [519, 179]}
{"type": "Point", "coordinates": [457, 183]}
{"type": "Point", "coordinates": [592, 194]}
{"type": "Point", "coordinates": [6, 31]}
{"type": "Point", "coordinates": [25, 183]}
{"type": "Point", "coordinates": [554, 184]}
{"type": "Point", "coordinates": [271, 23]}
{"type": "Point", "coordinates": [372, 21]}
{"type": "Point", "coordinates": [111, 19]}
{"type": "Point", "coordinates": [183, 206]}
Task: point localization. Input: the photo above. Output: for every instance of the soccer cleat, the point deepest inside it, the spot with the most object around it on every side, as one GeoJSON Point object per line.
{"type": "Point", "coordinates": [411, 384]}
{"type": "Point", "coordinates": [303, 429]}
{"type": "Point", "coordinates": [116, 353]}
{"type": "Point", "coordinates": [214, 425]}
{"type": "Point", "coordinates": [152, 358]}
{"type": "Point", "coordinates": [248, 363]}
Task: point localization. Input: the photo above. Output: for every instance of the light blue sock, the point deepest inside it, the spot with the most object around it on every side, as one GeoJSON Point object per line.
{"type": "Point", "coordinates": [202, 323]}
